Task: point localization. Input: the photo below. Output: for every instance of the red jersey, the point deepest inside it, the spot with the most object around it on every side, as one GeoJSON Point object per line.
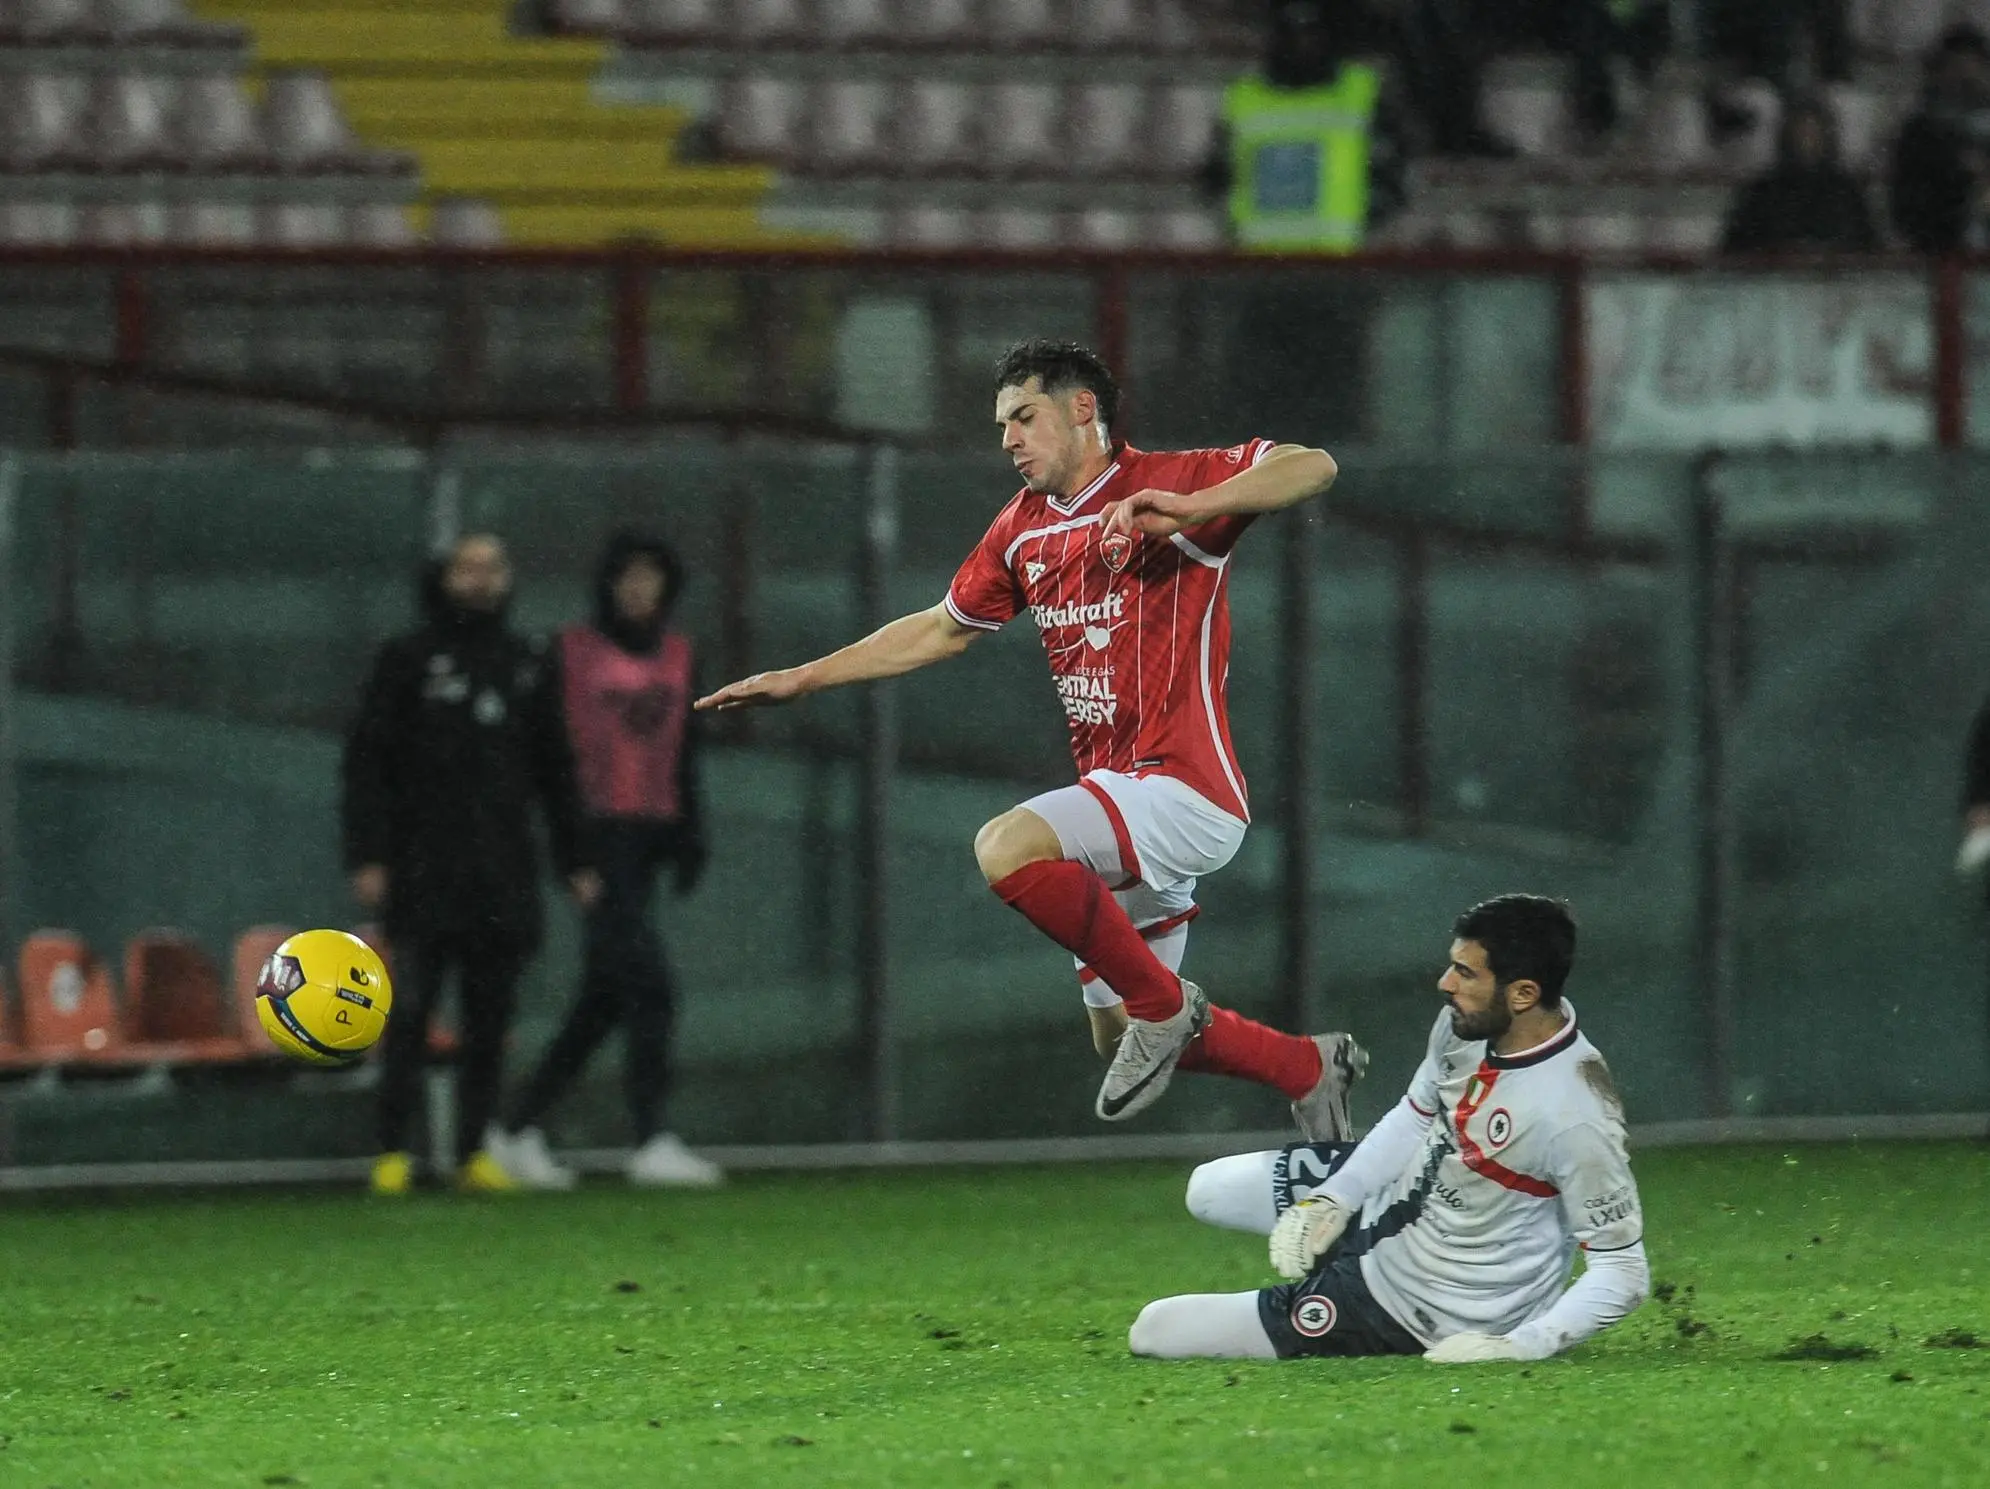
{"type": "Point", "coordinates": [1138, 635]}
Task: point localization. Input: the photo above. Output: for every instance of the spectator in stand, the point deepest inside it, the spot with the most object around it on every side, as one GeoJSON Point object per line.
{"type": "Point", "coordinates": [459, 733]}
{"type": "Point", "coordinates": [1941, 163]}
{"type": "Point", "coordinates": [1598, 32]}
{"type": "Point", "coordinates": [628, 680]}
{"type": "Point", "coordinates": [1807, 202]}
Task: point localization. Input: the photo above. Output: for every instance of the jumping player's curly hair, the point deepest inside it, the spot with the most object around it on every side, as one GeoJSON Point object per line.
{"type": "Point", "coordinates": [1525, 936]}
{"type": "Point", "coordinates": [1064, 367]}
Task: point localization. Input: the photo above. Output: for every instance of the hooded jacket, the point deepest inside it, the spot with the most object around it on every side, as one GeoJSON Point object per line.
{"type": "Point", "coordinates": [628, 690]}
{"type": "Point", "coordinates": [459, 733]}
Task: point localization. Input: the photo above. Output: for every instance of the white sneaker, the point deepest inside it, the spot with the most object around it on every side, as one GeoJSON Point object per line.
{"type": "Point", "coordinates": [1144, 1063]}
{"type": "Point", "coordinates": [523, 1155]}
{"type": "Point", "coordinates": [1322, 1113]}
{"type": "Point", "coordinates": [664, 1162]}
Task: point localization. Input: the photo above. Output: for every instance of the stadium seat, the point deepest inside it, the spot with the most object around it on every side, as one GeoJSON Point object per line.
{"type": "Point", "coordinates": [253, 947]}
{"type": "Point", "coordinates": [1182, 128]}
{"type": "Point", "coordinates": [591, 17]}
{"type": "Point", "coordinates": [940, 23]}
{"type": "Point", "coordinates": [1018, 228]}
{"type": "Point", "coordinates": [1106, 127]}
{"type": "Point", "coordinates": [1012, 24]}
{"type": "Point", "coordinates": [1106, 229]}
{"type": "Point", "coordinates": [1903, 28]}
{"type": "Point", "coordinates": [47, 224]}
{"type": "Point", "coordinates": [855, 23]}
{"type": "Point", "coordinates": [1865, 126]}
{"type": "Point", "coordinates": [381, 225]}
{"type": "Point", "coordinates": [926, 226]}
{"type": "Point", "coordinates": [129, 126]}
{"type": "Point", "coordinates": [673, 22]}
{"type": "Point", "coordinates": [175, 1006]}
{"type": "Point", "coordinates": [760, 118]}
{"type": "Point", "coordinates": [768, 22]}
{"type": "Point", "coordinates": [1173, 29]}
{"type": "Point", "coordinates": [218, 127]}
{"type": "Point", "coordinates": [68, 1012]}
{"type": "Point", "coordinates": [44, 122]}
{"type": "Point", "coordinates": [1186, 230]}
{"type": "Point", "coordinates": [52, 23]}
{"type": "Point", "coordinates": [1692, 233]}
{"type": "Point", "coordinates": [1530, 112]}
{"type": "Point", "coordinates": [307, 131]}
{"type": "Point", "coordinates": [849, 125]}
{"type": "Point", "coordinates": [1113, 25]}
{"type": "Point", "coordinates": [465, 222]}
{"type": "Point", "coordinates": [1606, 233]}
{"type": "Point", "coordinates": [1021, 128]}
{"type": "Point", "coordinates": [301, 225]}
{"type": "Point", "coordinates": [936, 126]}
{"type": "Point", "coordinates": [160, 23]}
{"type": "Point", "coordinates": [1674, 129]}
{"type": "Point", "coordinates": [211, 224]}
{"type": "Point", "coordinates": [1755, 150]}
{"type": "Point", "coordinates": [125, 224]}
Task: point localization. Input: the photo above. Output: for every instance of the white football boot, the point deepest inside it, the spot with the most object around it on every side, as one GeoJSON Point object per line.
{"type": "Point", "coordinates": [523, 1155]}
{"type": "Point", "coordinates": [1322, 1112]}
{"type": "Point", "coordinates": [665, 1163]}
{"type": "Point", "coordinates": [1144, 1063]}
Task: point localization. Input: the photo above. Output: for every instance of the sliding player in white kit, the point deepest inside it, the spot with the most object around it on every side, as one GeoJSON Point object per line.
{"type": "Point", "coordinates": [1121, 557]}
{"type": "Point", "coordinates": [1449, 1230]}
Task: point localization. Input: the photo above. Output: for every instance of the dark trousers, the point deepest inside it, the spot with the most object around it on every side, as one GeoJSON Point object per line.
{"type": "Point", "coordinates": [625, 981]}
{"type": "Point", "coordinates": [487, 990]}
{"type": "Point", "coordinates": [1593, 35]}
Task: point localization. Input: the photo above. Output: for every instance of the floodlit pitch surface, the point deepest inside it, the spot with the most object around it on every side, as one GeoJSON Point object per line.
{"type": "Point", "coordinates": [1820, 1322]}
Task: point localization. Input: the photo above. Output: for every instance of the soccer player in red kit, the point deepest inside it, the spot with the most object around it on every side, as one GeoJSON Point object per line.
{"type": "Point", "coordinates": [1120, 557]}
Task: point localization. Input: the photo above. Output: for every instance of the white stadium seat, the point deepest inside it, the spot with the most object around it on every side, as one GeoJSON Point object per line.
{"type": "Point", "coordinates": [932, 227]}
{"type": "Point", "coordinates": [1186, 229]}
{"type": "Point", "coordinates": [592, 17]}
{"type": "Point", "coordinates": [849, 124]}
{"type": "Point", "coordinates": [217, 125]}
{"type": "Point", "coordinates": [936, 126]}
{"type": "Point", "coordinates": [767, 21]}
{"type": "Point", "coordinates": [1531, 113]}
{"type": "Point", "coordinates": [302, 225]}
{"type": "Point", "coordinates": [212, 224]}
{"type": "Point", "coordinates": [1113, 25]}
{"type": "Point", "coordinates": [682, 22]}
{"type": "Point", "coordinates": [938, 23]}
{"type": "Point", "coordinates": [1022, 128]}
{"type": "Point", "coordinates": [38, 224]}
{"type": "Point", "coordinates": [130, 123]}
{"type": "Point", "coordinates": [1182, 128]}
{"type": "Point", "coordinates": [1106, 126]}
{"type": "Point", "coordinates": [1106, 229]}
{"type": "Point", "coordinates": [122, 224]}
{"type": "Point", "coordinates": [304, 125]}
{"type": "Point", "coordinates": [760, 118]}
{"type": "Point", "coordinates": [381, 225]}
{"type": "Point", "coordinates": [1023, 24]}
{"type": "Point", "coordinates": [1017, 228]}
{"type": "Point", "coordinates": [1674, 130]}
{"type": "Point", "coordinates": [44, 121]}
{"type": "Point", "coordinates": [465, 222]}
{"type": "Point", "coordinates": [855, 23]}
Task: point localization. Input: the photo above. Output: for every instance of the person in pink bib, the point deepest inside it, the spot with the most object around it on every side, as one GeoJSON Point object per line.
{"type": "Point", "coordinates": [627, 686]}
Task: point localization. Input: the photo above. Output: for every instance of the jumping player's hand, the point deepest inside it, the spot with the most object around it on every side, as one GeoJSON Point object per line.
{"type": "Point", "coordinates": [1472, 1348]}
{"type": "Point", "coordinates": [762, 687]}
{"type": "Point", "coordinates": [1159, 514]}
{"type": "Point", "coordinates": [1306, 1232]}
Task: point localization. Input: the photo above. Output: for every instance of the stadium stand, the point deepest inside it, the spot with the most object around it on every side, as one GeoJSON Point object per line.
{"type": "Point", "coordinates": [175, 1006]}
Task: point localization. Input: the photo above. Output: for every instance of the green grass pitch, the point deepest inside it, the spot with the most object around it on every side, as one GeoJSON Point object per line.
{"type": "Point", "coordinates": [963, 1327]}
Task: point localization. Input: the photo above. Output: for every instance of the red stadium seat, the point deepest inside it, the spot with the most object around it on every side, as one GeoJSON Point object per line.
{"type": "Point", "coordinates": [253, 947]}
{"type": "Point", "coordinates": [68, 1013]}
{"type": "Point", "coordinates": [175, 1009]}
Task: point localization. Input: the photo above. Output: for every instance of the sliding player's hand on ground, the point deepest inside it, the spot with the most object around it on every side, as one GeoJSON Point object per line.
{"type": "Point", "coordinates": [1159, 514]}
{"type": "Point", "coordinates": [748, 692]}
{"type": "Point", "coordinates": [1476, 1349]}
{"type": "Point", "coordinates": [1304, 1233]}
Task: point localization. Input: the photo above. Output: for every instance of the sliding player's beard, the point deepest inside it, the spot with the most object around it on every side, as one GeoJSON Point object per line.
{"type": "Point", "coordinates": [1489, 1023]}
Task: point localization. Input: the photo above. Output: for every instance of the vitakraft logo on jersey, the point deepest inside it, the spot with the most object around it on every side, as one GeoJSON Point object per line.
{"type": "Point", "coordinates": [1093, 618]}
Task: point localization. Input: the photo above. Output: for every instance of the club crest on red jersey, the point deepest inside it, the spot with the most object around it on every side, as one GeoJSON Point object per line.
{"type": "Point", "coordinates": [1116, 549]}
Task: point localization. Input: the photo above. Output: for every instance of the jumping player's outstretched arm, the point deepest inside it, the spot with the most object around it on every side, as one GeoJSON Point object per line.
{"type": "Point", "coordinates": [1283, 477]}
{"type": "Point", "coordinates": [910, 642]}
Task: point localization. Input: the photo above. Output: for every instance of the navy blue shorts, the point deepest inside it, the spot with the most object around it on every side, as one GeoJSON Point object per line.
{"type": "Point", "coordinates": [1330, 1312]}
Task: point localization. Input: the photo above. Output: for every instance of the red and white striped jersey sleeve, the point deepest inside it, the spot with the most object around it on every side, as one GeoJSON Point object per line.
{"type": "Point", "coordinates": [984, 593]}
{"type": "Point", "coordinates": [1213, 467]}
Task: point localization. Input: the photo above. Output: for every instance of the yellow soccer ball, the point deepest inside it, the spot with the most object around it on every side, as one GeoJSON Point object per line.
{"type": "Point", "coordinates": [324, 997]}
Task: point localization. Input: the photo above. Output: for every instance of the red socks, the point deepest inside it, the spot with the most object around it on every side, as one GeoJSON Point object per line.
{"type": "Point", "coordinates": [1235, 1045]}
{"type": "Point", "coordinates": [1071, 905]}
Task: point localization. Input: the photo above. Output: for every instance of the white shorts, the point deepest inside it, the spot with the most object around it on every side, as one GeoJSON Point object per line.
{"type": "Point", "coordinates": [1150, 838]}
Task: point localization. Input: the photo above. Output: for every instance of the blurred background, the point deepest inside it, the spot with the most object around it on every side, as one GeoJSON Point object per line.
{"type": "Point", "coordinates": [1647, 333]}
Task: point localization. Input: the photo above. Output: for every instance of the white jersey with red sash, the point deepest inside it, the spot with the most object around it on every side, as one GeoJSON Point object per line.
{"type": "Point", "coordinates": [626, 714]}
{"type": "Point", "coordinates": [1523, 1164]}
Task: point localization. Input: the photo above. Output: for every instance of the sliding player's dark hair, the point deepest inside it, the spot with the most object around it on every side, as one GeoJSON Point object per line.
{"type": "Point", "coordinates": [1064, 367]}
{"type": "Point", "coordinates": [1525, 936]}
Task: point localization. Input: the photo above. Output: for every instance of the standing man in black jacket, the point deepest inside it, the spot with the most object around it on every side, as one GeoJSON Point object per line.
{"type": "Point", "coordinates": [459, 732]}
